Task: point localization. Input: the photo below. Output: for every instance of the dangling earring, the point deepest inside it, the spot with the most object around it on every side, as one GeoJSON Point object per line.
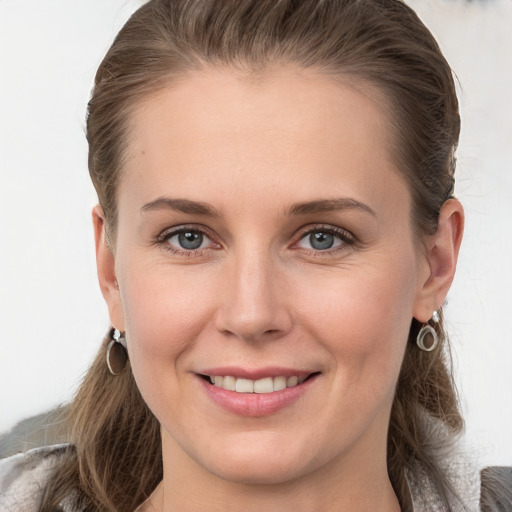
{"type": "Point", "coordinates": [428, 332]}
{"type": "Point", "coordinates": [117, 355]}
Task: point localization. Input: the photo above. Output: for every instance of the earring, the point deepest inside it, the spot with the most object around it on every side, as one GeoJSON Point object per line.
{"type": "Point", "coordinates": [117, 355]}
{"type": "Point", "coordinates": [428, 333]}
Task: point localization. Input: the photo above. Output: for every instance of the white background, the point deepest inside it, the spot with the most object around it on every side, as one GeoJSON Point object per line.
{"type": "Point", "coordinates": [52, 316]}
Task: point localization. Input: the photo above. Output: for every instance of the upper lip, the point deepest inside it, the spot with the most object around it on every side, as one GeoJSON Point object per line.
{"type": "Point", "coordinates": [255, 373]}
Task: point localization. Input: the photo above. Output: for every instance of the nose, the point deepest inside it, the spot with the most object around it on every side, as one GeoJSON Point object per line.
{"type": "Point", "coordinates": [253, 303]}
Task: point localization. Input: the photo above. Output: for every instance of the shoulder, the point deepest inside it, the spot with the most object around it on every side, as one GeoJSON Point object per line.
{"type": "Point", "coordinates": [457, 482]}
{"type": "Point", "coordinates": [488, 490]}
{"type": "Point", "coordinates": [23, 477]}
{"type": "Point", "coordinates": [496, 489]}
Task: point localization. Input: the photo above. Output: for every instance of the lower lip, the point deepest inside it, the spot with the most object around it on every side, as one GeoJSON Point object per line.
{"type": "Point", "coordinates": [256, 404]}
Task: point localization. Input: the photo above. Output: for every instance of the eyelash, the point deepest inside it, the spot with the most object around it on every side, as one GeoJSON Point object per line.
{"type": "Point", "coordinates": [346, 238]}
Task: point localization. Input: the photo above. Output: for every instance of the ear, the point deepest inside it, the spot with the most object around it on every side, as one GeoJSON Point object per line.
{"type": "Point", "coordinates": [442, 254]}
{"type": "Point", "coordinates": [105, 263]}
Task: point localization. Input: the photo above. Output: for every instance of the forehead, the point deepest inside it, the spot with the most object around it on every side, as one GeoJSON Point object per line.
{"type": "Point", "coordinates": [227, 133]}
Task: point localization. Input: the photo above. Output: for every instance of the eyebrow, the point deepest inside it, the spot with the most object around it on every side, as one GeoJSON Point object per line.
{"type": "Point", "coordinates": [181, 205]}
{"type": "Point", "coordinates": [307, 208]}
{"type": "Point", "coordinates": [328, 205]}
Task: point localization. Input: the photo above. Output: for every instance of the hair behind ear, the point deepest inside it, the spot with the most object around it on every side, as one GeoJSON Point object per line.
{"type": "Point", "coordinates": [425, 392]}
{"type": "Point", "coordinates": [116, 460]}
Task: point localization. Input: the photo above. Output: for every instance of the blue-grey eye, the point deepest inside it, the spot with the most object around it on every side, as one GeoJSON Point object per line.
{"type": "Point", "coordinates": [321, 240]}
{"type": "Point", "coordinates": [190, 240]}
{"type": "Point", "coordinates": [187, 241]}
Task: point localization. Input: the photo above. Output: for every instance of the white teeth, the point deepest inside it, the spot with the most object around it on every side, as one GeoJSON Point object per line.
{"type": "Point", "coordinates": [229, 383]}
{"type": "Point", "coordinates": [279, 383]}
{"type": "Point", "coordinates": [292, 381]}
{"type": "Point", "coordinates": [244, 386]}
{"type": "Point", "coordinates": [265, 385]}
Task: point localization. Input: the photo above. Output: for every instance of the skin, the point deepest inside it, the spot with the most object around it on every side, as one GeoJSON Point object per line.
{"type": "Point", "coordinates": [258, 294]}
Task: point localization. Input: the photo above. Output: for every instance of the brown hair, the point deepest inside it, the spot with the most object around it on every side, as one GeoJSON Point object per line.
{"type": "Point", "coordinates": [116, 462]}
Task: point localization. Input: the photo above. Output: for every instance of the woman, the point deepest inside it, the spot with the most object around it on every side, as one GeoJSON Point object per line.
{"type": "Point", "coordinates": [275, 237]}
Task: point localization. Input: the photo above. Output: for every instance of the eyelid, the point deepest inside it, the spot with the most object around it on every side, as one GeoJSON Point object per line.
{"type": "Point", "coordinates": [168, 232]}
{"type": "Point", "coordinates": [310, 228]}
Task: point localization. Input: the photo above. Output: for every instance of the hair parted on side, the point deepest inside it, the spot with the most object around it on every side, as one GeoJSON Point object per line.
{"type": "Point", "coordinates": [116, 461]}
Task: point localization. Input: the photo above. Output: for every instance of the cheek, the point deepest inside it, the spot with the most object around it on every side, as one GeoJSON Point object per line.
{"type": "Point", "coordinates": [363, 325]}
{"type": "Point", "coordinates": [363, 318]}
{"type": "Point", "coordinates": [163, 319]}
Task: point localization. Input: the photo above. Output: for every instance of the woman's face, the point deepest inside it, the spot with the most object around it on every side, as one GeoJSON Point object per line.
{"type": "Point", "coordinates": [265, 240]}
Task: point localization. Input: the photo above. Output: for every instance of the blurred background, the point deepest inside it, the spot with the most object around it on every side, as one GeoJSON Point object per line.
{"type": "Point", "coordinates": [52, 316]}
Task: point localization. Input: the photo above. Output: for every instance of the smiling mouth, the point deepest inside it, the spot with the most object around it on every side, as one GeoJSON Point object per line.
{"type": "Point", "coordinates": [260, 386]}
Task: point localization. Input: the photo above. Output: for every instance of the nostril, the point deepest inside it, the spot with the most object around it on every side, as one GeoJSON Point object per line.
{"type": "Point", "coordinates": [252, 324]}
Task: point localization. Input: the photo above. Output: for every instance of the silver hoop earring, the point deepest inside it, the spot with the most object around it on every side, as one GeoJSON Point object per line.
{"type": "Point", "coordinates": [117, 355]}
{"type": "Point", "coordinates": [429, 335]}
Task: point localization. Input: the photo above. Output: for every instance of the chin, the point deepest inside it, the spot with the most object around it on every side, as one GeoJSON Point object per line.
{"type": "Point", "coordinates": [271, 462]}
{"type": "Point", "coordinates": [259, 472]}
